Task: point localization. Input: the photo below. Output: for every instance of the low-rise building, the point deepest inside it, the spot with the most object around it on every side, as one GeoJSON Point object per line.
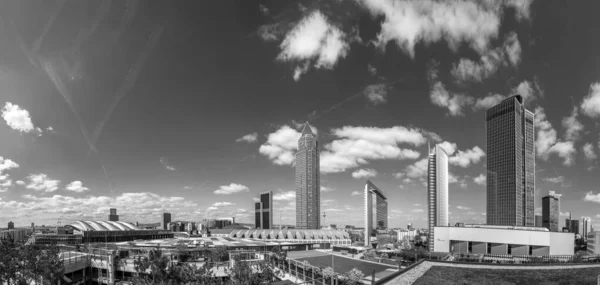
{"type": "Point", "coordinates": [410, 234]}
{"type": "Point", "coordinates": [484, 239]}
{"type": "Point", "coordinates": [593, 242]}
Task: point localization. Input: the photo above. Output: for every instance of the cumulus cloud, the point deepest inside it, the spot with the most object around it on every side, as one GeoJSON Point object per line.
{"type": "Point", "coordinates": [76, 186]}
{"type": "Point", "coordinates": [326, 189]}
{"type": "Point", "coordinates": [525, 89]}
{"type": "Point", "coordinates": [376, 93]}
{"type": "Point", "coordinates": [364, 173]}
{"type": "Point", "coordinates": [355, 146]}
{"type": "Point", "coordinates": [20, 182]}
{"type": "Point", "coordinates": [547, 143]}
{"type": "Point", "coordinates": [455, 103]}
{"type": "Point", "coordinates": [417, 169]}
{"type": "Point", "coordinates": [313, 41]}
{"type": "Point", "coordinates": [480, 179]}
{"type": "Point", "coordinates": [399, 175]}
{"type": "Point", "coordinates": [588, 151]}
{"type": "Point", "coordinates": [573, 127]}
{"type": "Point", "coordinates": [6, 164]}
{"type": "Point", "coordinates": [281, 145]}
{"type": "Point", "coordinates": [165, 163]}
{"type": "Point", "coordinates": [285, 196]}
{"type": "Point", "coordinates": [488, 101]}
{"type": "Point", "coordinates": [231, 189]}
{"type": "Point", "coordinates": [557, 179]}
{"type": "Point", "coordinates": [507, 55]}
{"type": "Point", "coordinates": [591, 103]}
{"type": "Point", "coordinates": [18, 119]}
{"type": "Point", "coordinates": [466, 158]}
{"type": "Point", "coordinates": [41, 182]}
{"type": "Point", "coordinates": [591, 197]}
{"type": "Point", "coordinates": [249, 138]}
{"type": "Point", "coordinates": [449, 147]}
{"type": "Point", "coordinates": [463, 208]}
{"type": "Point", "coordinates": [355, 193]}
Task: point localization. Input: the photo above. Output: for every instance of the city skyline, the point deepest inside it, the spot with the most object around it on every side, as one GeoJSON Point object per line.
{"type": "Point", "coordinates": [209, 118]}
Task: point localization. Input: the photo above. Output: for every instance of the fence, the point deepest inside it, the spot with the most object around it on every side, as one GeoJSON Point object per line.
{"type": "Point", "coordinates": [501, 258]}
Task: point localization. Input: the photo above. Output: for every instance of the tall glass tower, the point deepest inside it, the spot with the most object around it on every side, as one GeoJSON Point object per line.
{"type": "Point", "coordinates": [437, 191]}
{"type": "Point", "coordinates": [510, 164]}
{"type": "Point", "coordinates": [376, 211]}
{"type": "Point", "coordinates": [308, 194]}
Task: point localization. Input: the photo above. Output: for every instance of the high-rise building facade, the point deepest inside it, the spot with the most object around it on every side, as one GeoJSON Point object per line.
{"type": "Point", "coordinates": [574, 228]}
{"type": "Point", "coordinates": [551, 211]}
{"type": "Point", "coordinates": [376, 211]}
{"type": "Point", "coordinates": [586, 226]}
{"type": "Point", "coordinates": [437, 190]}
{"type": "Point", "coordinates": [538, 221]}
{"type": "Point", "coordinates": [11, 225]}
{"type": "Point", "coordinates": [113, 217]}
{"type": "Point", "coordinates": [308, 199]}
{"type": "Point", "coordinates": [166, 219]}
{"type": "Point", "coordinates": [263, 211]}
{"type": "Point", "coordinates": [510, 164]}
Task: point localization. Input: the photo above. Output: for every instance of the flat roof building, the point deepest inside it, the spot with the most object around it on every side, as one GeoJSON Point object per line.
{"type": "Point", "coordinates": [437, 190]}
{"type": "Point", "coordinates": [551, 211]}
{"type": "Point", "coordinates": [166, 219]}
{"type": "Point", "coordinates": [113, 217]}
{"type": "Point", "coordinates": [376, 211]}
{"type": "Point", "coordinates": [263, 211]}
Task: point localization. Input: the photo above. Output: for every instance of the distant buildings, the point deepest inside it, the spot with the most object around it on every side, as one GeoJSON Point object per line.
{"type": "Point", "coordinates": [586, 226]}
{"type": "Point", "coordinates": [437, 190]}
{"type": "Point", "coordinates": [408, 234]}
{"type": "Point", "coordinates": [510, 164]}
{"type": "Point", "coordinates": [166, 219]}
{"type": "Point", "coordinates": [574, 228]}
{"type": "Point", "coordinates": [263, 211]}
{"type": "Point", "coordinates": [538, 221]}
{"type": "Point", "coordinates": [551, 211]}
{"type": "Point", "coordinates": [376, 211]}
{"type": "Point", "coordinates": [11, 225]}
{"type": "Point", "coordinates": [113, 217]}
{"type": "Point", "coordinates": [593, 242]}
{"type": "Point", "coordinates": [308, 200]}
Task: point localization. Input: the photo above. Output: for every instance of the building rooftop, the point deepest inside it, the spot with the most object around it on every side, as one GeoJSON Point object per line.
{"type": "Point", "coordinates": [85, 226]}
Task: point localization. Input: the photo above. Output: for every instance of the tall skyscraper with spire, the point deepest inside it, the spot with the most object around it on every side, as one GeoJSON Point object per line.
{"type": "Point", "coordinates": [510, 164]}
{"type": "Point", "coordinates": [437, 190]}
{"type": "Point", "coordinates": [308, 194]}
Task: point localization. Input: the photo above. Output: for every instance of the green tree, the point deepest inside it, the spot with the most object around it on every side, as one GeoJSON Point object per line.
{"type": "Point", "coordinates": [156, 262]}
{"type": "Point", "coordinates": [328, 273]}
{"type": "Point", "coordinates": [353, 277]}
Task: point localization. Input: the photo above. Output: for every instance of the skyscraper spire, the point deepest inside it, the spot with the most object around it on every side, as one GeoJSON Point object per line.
{"type": "Point", "coordinates": [307, 130]}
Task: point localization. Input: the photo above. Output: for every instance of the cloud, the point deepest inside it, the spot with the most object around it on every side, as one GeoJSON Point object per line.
{"type": "Point", "coordinates": [590, 106]}
{"type": "Point", "coordinates": [326, 189]}
{"type": "Point", "coordinates": [376, 93]}
{"type": "Point", "coordinates": [6, 164]}
{"type": "Point", "coordinates": [547, 143]}
{"type": "Point", "coordinates": [481, 179]}
{"type": "Point", "coordinates": [474, 23]}
{"type": "Point", "coordinates": [417, 210]}
{"type": "Point", "coordinates": [355, 146]}
{"type": "Point", "coordinates": [263, 9]}
{"type": "Point", "coordinates": [364, 173]}
{"type": "Point", "coordinates": [372, 70]}
{"type": "Point", "coordinates": [231, 189]}
{"type": "Point", "coordinates": [488, 101]}
{"type": "Point", "coordinates": [463, 208]}
{"type": "Point", "coordinates": [285, 196]}
{"type": "Point", "coordinates": [281, 145]}
{"type": "Point", "coordinates": [6, 183]}
{"type": "Point", "coordinates": [449, 147]}
{"type": "Point", "coordinates": [18, 119]}
{"type": "Point", "coordinates": [465, 158]}
{"type": "Point", "coordinates": [77, 186]}
{"type": "Point", "coordinates": [355, 193]}
{"type": "Point", "coordinates": [588, 151]}
{"type": "Point", "coordinates": [41, 182]}
{"type": "Point", "coordinates": [591, 197]}
{"type": "Point", "coordinates": [452, 178]}
{"type": "Point", "coordinates": [20, 182]}
{"type": "Point", "coordinates": [417, 169]}
{"type": "Point", "coordinates": [525, 90]}
{"type": "Point", "coordinates": [313, 41]}
{"type": "Point", "coordinates": [417, 205]}
{"type": "Point", "coordinates": [166, 164]}
{"type": "Point", "coordinates": [558, 179]}
{"type": "Point", "coordinates": [222, 204]}
{"type": "Point", "coordinates": [565, 214]}
{"type": "Point", "coordinates": [399, 175]}
{"type": "Point", "coordinates": [507, 55]}
{"type": "Point", "coordinates": [572, 126]}
{"type": "Point", "coordinates": [249, 138]}
{"type": "Point", "coordinates": [455, 103]}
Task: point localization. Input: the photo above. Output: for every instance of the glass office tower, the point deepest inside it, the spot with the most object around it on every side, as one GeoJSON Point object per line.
{"type": "Point", "coordinates": [437, 191]}
{"type": "Point", "coordinates": [308, 192]}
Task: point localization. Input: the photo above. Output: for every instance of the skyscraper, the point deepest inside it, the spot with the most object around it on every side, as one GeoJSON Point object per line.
{"type": "Point", "coordinates": [538, 221]}
{"type": "Point", "coordinates": [166, 219]}
{"type": "Point", "coordinates": [263, 211]}
{"type": "Point", "coordinates": [586, 226]}
{"type": "Point", "coordinates": [113, 217]}
{"type": "Point", "coordinates": [510, 164]}
{"type": "Point", "coordinates": [376, 211]}
{"type": "Point", "coordinates": [308, 200]}
{"type": "Point", "coordinates": [574, 227]}
{"type": "Point", "coordinates": [437, 190]}
{"type": "Point", "coordinates": [551, 211]}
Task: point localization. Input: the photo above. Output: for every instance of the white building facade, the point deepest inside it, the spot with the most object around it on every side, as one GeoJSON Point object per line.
{"type": "Point", "coordinates": [437, 191]}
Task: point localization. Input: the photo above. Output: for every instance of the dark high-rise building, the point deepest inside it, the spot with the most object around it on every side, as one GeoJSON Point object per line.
{"type": "Point", "coordinates": [113, 217]}
{"type": "Point", "coordinates": [574, 227]}
{"type": "Point", "coordinates": [166, 219]}
{"type": "Point", "coordinates": [538, 221]}
{"type": "Point", "coordinates": [308, 199]}
{"type": "Point", "coordinates": [551, 211]}
{"type": "Point", "coordinates": [510, 164]}
{"type": "Point", "coordinates": [11, 225]}
{"type": "Point", "coordinates": [437, 191]}
{"type": "Point", "coordinates": [376, 211]}
{"type": "Point", "coordinates": [263, 211]}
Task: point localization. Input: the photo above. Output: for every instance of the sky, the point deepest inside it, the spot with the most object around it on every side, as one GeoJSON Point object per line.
{"type": "Point", "coordinates": [195, 107]}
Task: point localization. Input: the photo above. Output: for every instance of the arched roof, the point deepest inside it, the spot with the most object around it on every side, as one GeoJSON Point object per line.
{"type": "Point", "coordinates": [85, 226]}
{"type": "Point", "coordinates": [295, 234]}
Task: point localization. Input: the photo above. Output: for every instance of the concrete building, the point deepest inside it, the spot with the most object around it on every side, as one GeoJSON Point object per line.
{"type": "Point", "coordinates": [108, 231]}
{"type": "Point", "coordinates": [437, 190]}
{"type": "Point", "coordinates": [510, 164]}
{"type": "Point", "coordinates": [409, 234]}
{"type": "Point", "coordinates": [166, 219]}
{"type": "Point", "coordinates": [113, 217]}
{"type": "Point", "coordinates": [308, 192]}
{"type": "Point", "coordinates": [11, 225]}
{"type": "Point", "coordinates": [586, 226]}
{"type": "Point", "coordinates": [538, 221]}
{"type": "Point", "coordinates": [593, 243]}
{"type": "Point", "coordinates": [263, 211]}
{"type": "Point", "coordinates": [15, 235]}
{"type": "Point", "coordinates": [376, 211]}
{"type": "Point", "coordinates": [574, 228]}
{"type": "Point", "coordinates": [551, 211]}
{"type": "Point", "coordinates": [509, 240]}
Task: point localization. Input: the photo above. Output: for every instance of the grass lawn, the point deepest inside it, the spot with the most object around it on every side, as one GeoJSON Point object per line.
{"type": "Point", "coordinates": [343, 265]}
{"type": "Point", "coordinates": [453, 275]}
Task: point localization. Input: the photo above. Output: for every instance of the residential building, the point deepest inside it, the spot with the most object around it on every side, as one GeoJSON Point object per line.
{"type": "Point", "coordinates": [437, 190]}
{"type": "Point", "coordinates": [376, 211]}
{"type": "Point", "coordinates": [511, 240]}
{"type": "Point", "coordinates": [551, 211]}
{"type": "Point", "coordinates": [308, 200]}
{"type": "Point", "coordinates": [263, 211]}
{"type": "Point", "coordinates": [586, 226]}
{"type": "Point", "coordinates": [113, 217]}
{"type": "Point", "coordinates": [538, 221]}
{"type": "Point", "coordinates": [510, 164]}
{"type": "Point", "coordinates": [166, 219]}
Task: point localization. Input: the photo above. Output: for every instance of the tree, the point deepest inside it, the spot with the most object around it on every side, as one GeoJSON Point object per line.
{"type": "Point", "coordinates": [156, 262]}
{"type": "Point", "coordinates": [370, 254]}
{"type": "Point", "coordinates": [353, 276]}
{"type": "Point", "coordinates": [328, 273]}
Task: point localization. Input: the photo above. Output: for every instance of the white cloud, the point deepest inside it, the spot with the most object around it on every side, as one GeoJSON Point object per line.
{"type": "Point", "coordinates": [281, 145]}
{"type": "Point", "coordinates": [20, 182]}
{"type": "Point", "coordinates": [416, 170]}
{"type": "Point", "coordinates": [508, 54]}
{"type": "Point", "coordinates": [231, 189]}
{"type": "Point", "coordinates": [6, 164]}
{"type": "Point", "coordinates": [417, 210]}
{"type": "Point", "coordinates": [588, 151]}
{"type": "Point", "coordinates": [249, 138]}
{"type": "Point", "coordinates": [285, 196]}
{"type": "Point", "coordinates": [77, 186]}
{"type": "Point", "coordinates": [355, 193]}
{"type": "Point", "coordinates": [372, 70]}
{"type": "Point", "coordinates": [6, 183]}
{"type": "Point", "coordinates": [565, 214]}
{"type": "Point", "coordinates": [566, 150]}
{"type": "Point", "coordinates": [449, 147]}
{"type": "Point", "coordinates": [17, 119]}
{"type": "Point", "coordinates": [399, 175]}
{"type": "Point", "coordinates": [480, 179]}
{"type": "Point", "coordinates": [326, 189]}
{"type": "Point", "coordinates": [572, 126]}
{"type": "Point", "coordinates": [591, 197]}
{"type": "Point", "coordinates": [547, 143]}
{"type": "Point", "coordinates": [525, 90]}
{"type": "Point", "coordinates": [488, 101]}
{"type": "Point", "coordinates": [222, 204]}
{"type": "Point", "coordinates": [417, 205]}
{"type": "Point", "coordinates": [255, 199]}
{"type": "Point", "coordinates": [558, 179]}
{"type": "Point", "coordinates": [455, 103]}
{"type": "Point", "coordinates": [41, 182]}
{"type": "Point", "coordinates": [314, 40]}
{"type": "Point", "coordinates": [452, 178]}
{"type": "Point", "coordinates": [463, 208]}
{"type": "Point", "coordinates": [166, 164]}
{"type": "Point", "coordinates": [591, 103]}
{"type": "Point", "coordinates": [376, 93]}
{"type": "Point", "coordinates": [357, 145]}
{"type": "Point", "coordinates": [465, 158]}
{"type": "Point", "coordinates": [364, 173]}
